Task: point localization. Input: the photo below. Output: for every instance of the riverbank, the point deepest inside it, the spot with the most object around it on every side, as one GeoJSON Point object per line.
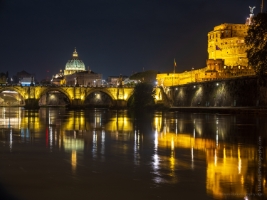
{"type": "Point", "coordinates": [222, 110]}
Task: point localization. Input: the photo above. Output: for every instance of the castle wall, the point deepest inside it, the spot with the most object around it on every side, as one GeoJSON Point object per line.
{"type": "Point", "coordinates": [243, 91]}
{"type": "Point", "coordinates": [227, 42]}
{"type": "Point", "coordinates": [172, 79]}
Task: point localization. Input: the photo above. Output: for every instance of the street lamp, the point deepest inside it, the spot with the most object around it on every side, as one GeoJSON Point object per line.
{"type": "Point", "coordinates": [8, 103]}
{"type": "Point", "coordinates": [192, 73]}
{"type": "Point", "coordinates": [172, 79]}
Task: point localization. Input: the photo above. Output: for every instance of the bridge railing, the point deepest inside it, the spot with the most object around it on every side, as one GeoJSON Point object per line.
{"type": "Point", "coordinates": [53, 85]}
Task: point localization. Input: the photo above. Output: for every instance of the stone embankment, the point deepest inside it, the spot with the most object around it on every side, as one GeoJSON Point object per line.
{"type": "Point", "coordinates": [221, 95]}
{"type": "Point", "coordinates": [222, 110]}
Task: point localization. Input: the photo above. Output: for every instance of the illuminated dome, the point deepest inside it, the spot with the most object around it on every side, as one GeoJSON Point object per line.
{"type": "Point", "coordinates": [74, 65]}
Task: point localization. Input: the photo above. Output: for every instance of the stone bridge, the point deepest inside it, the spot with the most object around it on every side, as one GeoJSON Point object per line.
{"type": "Point", "coordinates": [73, 96]}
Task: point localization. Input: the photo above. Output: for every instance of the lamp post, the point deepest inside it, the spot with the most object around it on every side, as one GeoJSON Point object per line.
{"type": "Point", "coordinates": [192, 74]}
{"type": "Point", "coordinates": [8, 103]}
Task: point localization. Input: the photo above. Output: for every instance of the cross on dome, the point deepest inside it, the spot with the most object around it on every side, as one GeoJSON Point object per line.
{"type": "Point", "coordinates": [75, 54]}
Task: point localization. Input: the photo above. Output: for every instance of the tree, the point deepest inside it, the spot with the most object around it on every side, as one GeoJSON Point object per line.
{"type": "Point", "coordinates": [3, 78]}
{"type": "Point", "coordinates": [143, 97]}
{"type": "Point", "coordinates": [256, 41]}
{"type": "Point", "coordinates": [146, 76]}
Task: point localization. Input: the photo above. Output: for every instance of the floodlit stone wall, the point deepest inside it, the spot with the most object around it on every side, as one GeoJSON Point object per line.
{"type": "Point", "coordinates": [243, 91]}
{"type": "Point", "coordinates": [227, 42]}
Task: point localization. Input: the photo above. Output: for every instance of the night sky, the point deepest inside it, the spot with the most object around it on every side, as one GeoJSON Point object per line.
{"type": "Point", "coordinates": [112, 37]}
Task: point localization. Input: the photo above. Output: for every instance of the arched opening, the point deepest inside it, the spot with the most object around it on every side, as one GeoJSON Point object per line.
{"type": "Point", "coordinates": [11, 98]}
{"type": "Point", "coordinates": [98, 99]}
{"type": "Point", "coordinates": [54, 98]}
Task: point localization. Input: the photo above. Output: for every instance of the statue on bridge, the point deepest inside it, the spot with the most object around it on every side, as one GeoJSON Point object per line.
{"type": "Point", "coordinates": [76, 81]}
{"type": "Point", "coordinates": [120, 81]}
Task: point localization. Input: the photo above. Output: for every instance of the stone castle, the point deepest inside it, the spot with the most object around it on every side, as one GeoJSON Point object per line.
{"type": "Point", "coordinates": [227, 57]}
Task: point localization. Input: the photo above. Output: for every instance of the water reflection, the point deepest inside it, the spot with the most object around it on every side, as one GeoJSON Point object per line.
{"type": "Point", "coordinates": [228, 148]}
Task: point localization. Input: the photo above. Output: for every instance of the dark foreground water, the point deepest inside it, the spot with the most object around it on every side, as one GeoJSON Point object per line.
{"type": "Point", "coordinates": [101, 154]}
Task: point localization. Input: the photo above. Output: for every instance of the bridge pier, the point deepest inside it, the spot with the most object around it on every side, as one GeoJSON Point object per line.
{"type": "Point", "coordinates": [31, 103]}
{"type": "Point", "coordinates": [76, 103]}
{"type": "Point", "coordinates": [121, 104]}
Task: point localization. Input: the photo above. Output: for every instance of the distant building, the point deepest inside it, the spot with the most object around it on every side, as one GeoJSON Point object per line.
{"type": "Point", "coordinates": [27, 81]}
{"type": "Point", "coordinates": [24, 78]}
{"type": "Point", "coordinates": [22, 75]}
{"type": "Point", "coordinates": [115, 80]}
{"type": "Point", "coordinates": [84, 78]}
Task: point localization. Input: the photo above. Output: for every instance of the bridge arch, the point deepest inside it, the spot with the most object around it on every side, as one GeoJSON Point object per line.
{"type": "Point", "coordinates": [53, 96]}
{"type": "Point", "coordinates": [17, 98]}
{"type": "Point", "coordinates": [12, 89]}
{"type": "Point", "coordinates": [99, 97]}
{"type": "Point", "coordinates": [93, 90]}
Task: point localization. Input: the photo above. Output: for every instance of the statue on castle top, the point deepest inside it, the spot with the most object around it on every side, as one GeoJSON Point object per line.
{"type": "Point", "coordinates": [251, 9]}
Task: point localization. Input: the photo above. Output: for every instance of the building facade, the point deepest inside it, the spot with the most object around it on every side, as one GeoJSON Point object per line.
{"type": "Point", "coordinates": [227, 57]}
{"type": "Point", "coordinates": [227, 42]}
{"type": "Point", "coordinates": [116, 80]}
{"type": "Point", "coordinates": [84, 78]}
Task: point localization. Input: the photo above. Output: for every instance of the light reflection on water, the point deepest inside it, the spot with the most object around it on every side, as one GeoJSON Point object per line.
{"type": "Point", "coordinates": [217, 155]}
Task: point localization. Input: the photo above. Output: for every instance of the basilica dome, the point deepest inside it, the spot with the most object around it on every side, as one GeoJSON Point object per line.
{"type": "Point", "coordinates": [74, 65]}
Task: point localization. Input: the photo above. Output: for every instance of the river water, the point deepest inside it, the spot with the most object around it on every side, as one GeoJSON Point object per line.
{"type": "Point", "coordinates": [55, 153]}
